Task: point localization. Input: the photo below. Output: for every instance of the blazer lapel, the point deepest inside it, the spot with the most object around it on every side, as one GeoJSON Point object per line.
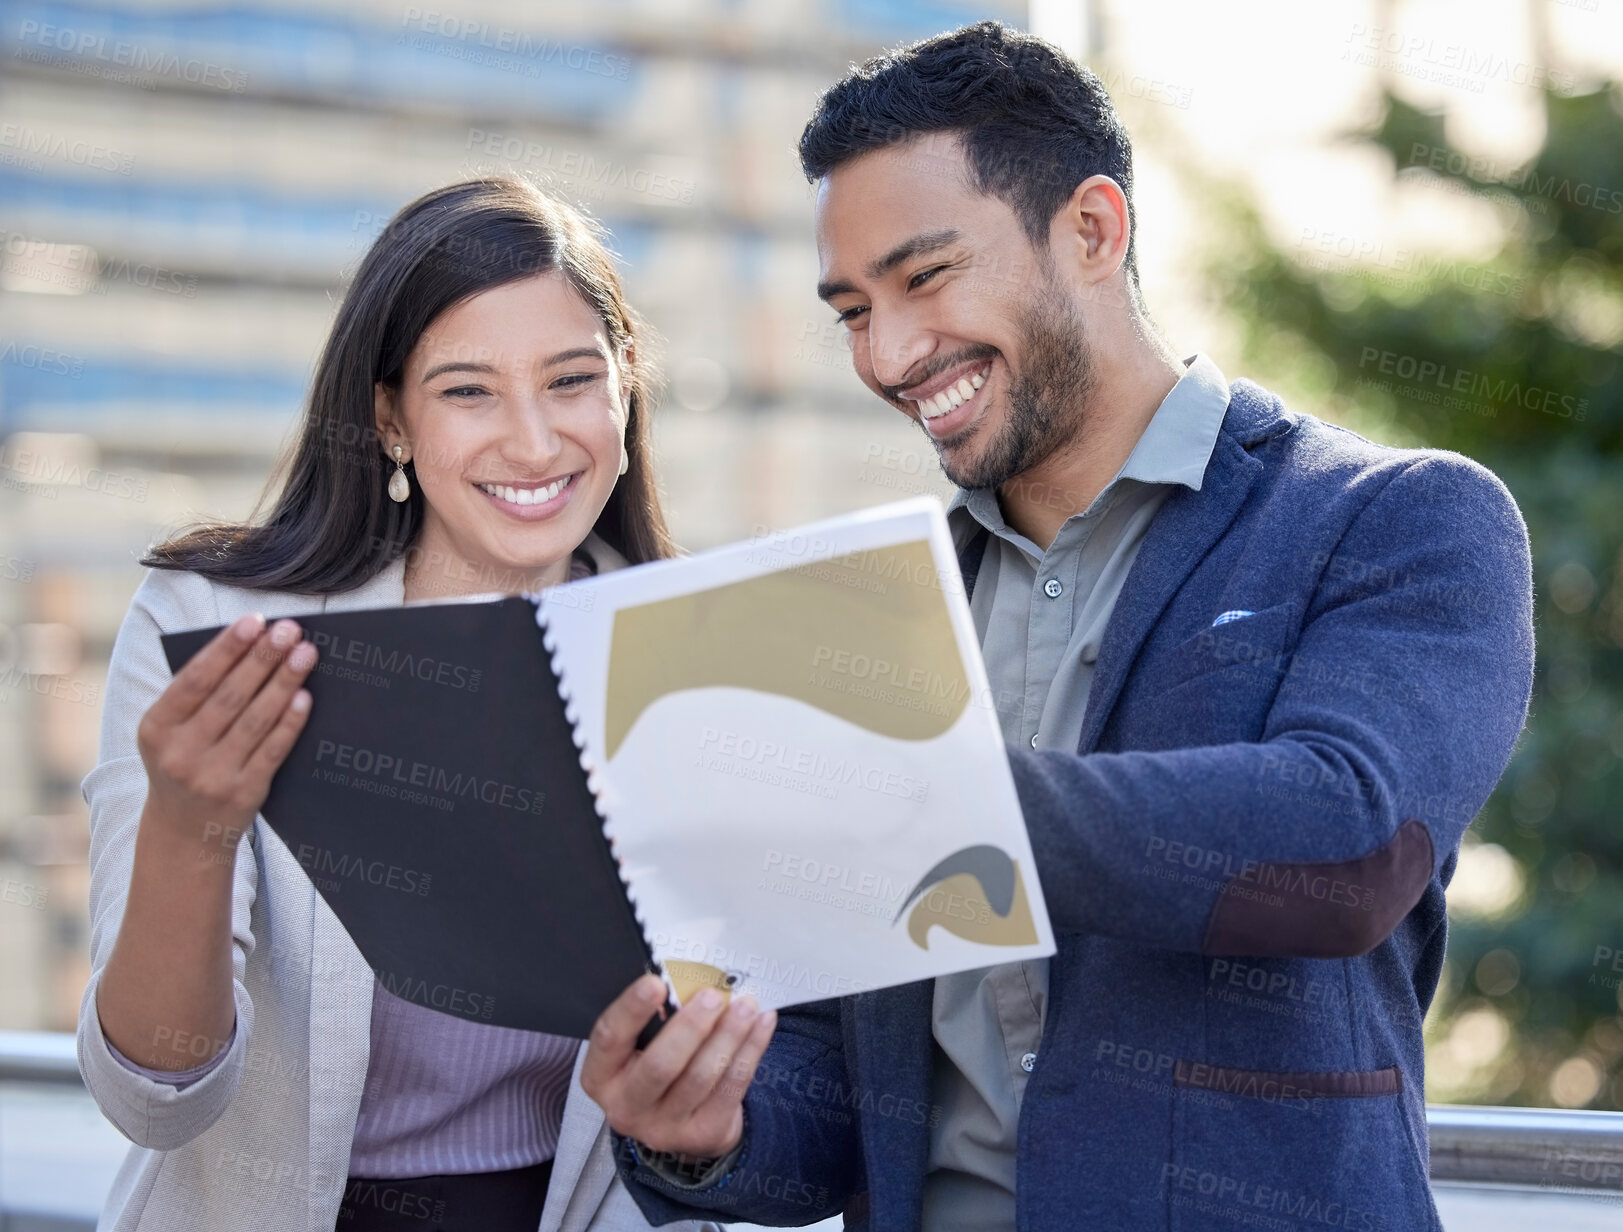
{"type": "Point", "coordinates": [889, 1037]}
{"type": "Point", "coordinates": [573, 1191]}
{"type": "Point", "coordinates": [1184, 531]}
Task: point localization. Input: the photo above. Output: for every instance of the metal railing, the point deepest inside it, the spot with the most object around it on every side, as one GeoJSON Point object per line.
{"type": "Point", "coordinates": [1539, 1148]}
{"type": "Point", "coordinates": [39, 1056]}
{"type": "Point", "coordinates": [1542, 1148]}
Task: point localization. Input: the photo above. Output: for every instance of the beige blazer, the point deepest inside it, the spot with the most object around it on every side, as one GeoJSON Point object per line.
{"type": "Point", "coordinates": [263, 1141]}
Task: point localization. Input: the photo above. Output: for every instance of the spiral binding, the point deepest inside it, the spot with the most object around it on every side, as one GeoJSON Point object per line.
{"type": "Point", "coordinates": [594, 781]}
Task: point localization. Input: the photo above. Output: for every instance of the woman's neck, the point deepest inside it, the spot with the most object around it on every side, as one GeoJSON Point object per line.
{"type": "Point", "coordinates": [439, 575]}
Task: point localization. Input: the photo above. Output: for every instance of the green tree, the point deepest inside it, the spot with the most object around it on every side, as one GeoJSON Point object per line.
{"type": "Point", "coordinates": [1513, 361]}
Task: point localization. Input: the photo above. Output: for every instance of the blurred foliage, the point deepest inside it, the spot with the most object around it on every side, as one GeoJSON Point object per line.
{"type": "Point", "coordinates": [1513, 359]}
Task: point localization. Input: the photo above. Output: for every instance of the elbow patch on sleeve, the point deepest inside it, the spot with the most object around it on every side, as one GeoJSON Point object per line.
{"type": "Point", "coordinates": [1330, 910]}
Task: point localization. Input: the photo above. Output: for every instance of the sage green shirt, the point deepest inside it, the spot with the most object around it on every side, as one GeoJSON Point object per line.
{"type": "Point", "coordinates": [1040, 617]}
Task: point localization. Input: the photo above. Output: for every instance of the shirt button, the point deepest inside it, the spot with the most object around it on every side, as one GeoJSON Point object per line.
{"type": "Point", "coordinates": [1053, 589]}
{"type": "Point", "coordinates": [1028, 1061]}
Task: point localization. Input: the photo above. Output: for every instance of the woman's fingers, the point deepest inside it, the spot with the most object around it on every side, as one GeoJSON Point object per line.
{"type": "Point", "coordinates": [261, 714]}
{"type": "Point", "coordinates": [272, 751]}
{"type": "Point", "coordinates": [232, 694]}
{"type": "Point", "coordinates": [196, 681]}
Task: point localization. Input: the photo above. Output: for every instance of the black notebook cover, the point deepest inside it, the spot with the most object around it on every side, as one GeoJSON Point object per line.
{"type": "Point", "coordinates": [436, 800]}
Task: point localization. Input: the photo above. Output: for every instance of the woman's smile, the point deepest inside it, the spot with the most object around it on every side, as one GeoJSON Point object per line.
{"type": "Point", "coordinates": [528, 501]}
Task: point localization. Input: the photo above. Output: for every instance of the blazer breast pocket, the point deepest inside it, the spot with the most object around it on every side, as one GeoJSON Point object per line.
{"type": "Point", "coordinates": [1256, 642]}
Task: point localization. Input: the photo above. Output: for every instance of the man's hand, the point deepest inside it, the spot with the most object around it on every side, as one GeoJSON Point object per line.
{"type": "Point", "coordinates": [685, 1093]}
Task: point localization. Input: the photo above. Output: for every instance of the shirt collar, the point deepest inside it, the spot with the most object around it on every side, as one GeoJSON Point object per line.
{"type": "Point", "coordinates": [1175, 446]}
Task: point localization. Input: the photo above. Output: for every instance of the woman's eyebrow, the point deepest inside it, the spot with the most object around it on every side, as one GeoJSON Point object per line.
{"type": "Point", "coordinates": [573, 353]}
{"type": "Point", "coordinates": [490, 370]}
{"type": "Point", "coordinates": [457, 366]}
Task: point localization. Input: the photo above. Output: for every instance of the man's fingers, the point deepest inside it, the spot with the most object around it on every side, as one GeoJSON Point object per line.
{"type": "Point", "coordinates": [268, 705]}
{"type": "Point", "coordinates": [650, 1076]}
{"type": "Point", "coordinates": [713, 1126]}
{"type": "Point", "coordinates": [196, 680]}
{"type": "Point", "coordinates": [718, 1120]}
{"type": "Point", "coordinates": [614, 1036]}
{"type": "Point", "coordinates": [232, 694]}
{"type": "Point", "coordinates": [732, 1085]}
{"type": "Point", "coordinates": [713, 1062]}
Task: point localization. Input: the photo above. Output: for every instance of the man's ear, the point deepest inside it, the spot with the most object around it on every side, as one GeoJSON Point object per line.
{"type": "Point", "coordinates": [386, 417]}
{"type": "Point", "coordinates": [1091, 232]}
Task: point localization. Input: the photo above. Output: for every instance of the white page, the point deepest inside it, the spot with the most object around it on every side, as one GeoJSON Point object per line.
{"type": "Point", "coordinates": [787, 745]}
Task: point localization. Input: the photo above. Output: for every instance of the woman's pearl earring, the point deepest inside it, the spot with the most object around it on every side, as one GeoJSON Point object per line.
{"type": "Point", "coordinates": [399, 485]}
{"type": "Point", "coordinates": [625, 459]}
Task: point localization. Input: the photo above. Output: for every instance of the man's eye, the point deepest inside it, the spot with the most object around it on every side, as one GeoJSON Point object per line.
{"type": "Point", "coordinates": [850, 314]}
{"type": "Point", "coordinates": [923, 276]}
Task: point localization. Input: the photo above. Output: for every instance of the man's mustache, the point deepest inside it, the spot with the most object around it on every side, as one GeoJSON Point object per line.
{"type": "Point", "coordinates": [934, 368]}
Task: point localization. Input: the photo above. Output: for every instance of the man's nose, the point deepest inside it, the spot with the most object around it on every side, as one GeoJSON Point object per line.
{"type": "Point", "coordinates": [895, 347]}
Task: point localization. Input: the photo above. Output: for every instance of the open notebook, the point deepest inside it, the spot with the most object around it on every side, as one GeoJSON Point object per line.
{"type": "Point", "coordinates": [772, 768]}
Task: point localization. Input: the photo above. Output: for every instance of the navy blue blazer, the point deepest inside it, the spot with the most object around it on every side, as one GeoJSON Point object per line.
{"type": "Point", "coordinates": [1244, 863]}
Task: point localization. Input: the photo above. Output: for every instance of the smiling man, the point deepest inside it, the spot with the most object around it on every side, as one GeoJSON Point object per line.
{"type": "Point", "coordinates": [1256, 675]}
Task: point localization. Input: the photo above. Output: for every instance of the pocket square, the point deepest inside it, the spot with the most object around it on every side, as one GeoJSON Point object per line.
{"type": "Point", "coordinates": [1234, 614]}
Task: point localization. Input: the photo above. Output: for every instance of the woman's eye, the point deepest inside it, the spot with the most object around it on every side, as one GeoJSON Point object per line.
{"type": "Point", "coordinates": [923, 276]}
{"type": "Point", "coordinates": [575, 380]}
{"type": "Point", "coordinates": [464, 391]}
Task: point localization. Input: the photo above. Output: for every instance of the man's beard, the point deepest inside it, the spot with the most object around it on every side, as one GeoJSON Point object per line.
{"type": "Point", "coordinates": [1046, 400]}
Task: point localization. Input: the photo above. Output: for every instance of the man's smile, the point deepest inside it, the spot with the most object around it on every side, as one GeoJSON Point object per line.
{"type": "Point", "coordinates": [949, 401]}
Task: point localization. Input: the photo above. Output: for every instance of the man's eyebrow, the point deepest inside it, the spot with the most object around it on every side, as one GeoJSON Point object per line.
{"type": "Point", "coordinates": [826, 290]}
{"type": "Point", "coordinates": [918, 245]}
{"type": "Point", "coordinates": [925, 241]}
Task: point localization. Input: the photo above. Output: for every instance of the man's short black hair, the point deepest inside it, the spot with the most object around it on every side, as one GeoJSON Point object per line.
{"type": "Point", "coordinates": [1034, 123]}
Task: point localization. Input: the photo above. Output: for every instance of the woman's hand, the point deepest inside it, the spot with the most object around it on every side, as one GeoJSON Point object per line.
{"type": "Point", "coordinates": [211, 743]}
{"type": "Point", "coordinates": [219, 732]}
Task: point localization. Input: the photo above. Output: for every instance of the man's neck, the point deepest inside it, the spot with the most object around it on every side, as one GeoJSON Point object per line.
{"type": "Point", "coordinates": [1124, 398]}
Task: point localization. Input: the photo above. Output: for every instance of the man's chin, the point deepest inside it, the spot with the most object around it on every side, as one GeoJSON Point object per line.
{"type": "Point", "coordinates": [957, 455]}
{"type": "Point", "coordinates": [963, 462]}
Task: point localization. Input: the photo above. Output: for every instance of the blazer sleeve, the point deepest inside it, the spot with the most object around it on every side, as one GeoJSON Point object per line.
{"type": "Point", "coordinates": [800, 1156]}
{"type": "Point", "coordinates": [1317, 840]}
{"type": "Point", "coordinates": [151, 1113]}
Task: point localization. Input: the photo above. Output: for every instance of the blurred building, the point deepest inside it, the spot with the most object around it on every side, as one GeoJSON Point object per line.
{"type": "Point", "coordinates": [183, 190]}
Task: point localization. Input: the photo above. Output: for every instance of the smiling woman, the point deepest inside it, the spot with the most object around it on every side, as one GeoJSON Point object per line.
{"type": "Point", "coordinates": [515, 433]}
{"type": "Point", "coordinates": [478, 422]}
{"type": "Point", "coordinates": [484, 309]}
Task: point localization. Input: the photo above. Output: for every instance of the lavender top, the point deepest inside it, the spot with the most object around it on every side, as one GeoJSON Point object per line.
{"type": "Point", "coordinates": [445, 1095]}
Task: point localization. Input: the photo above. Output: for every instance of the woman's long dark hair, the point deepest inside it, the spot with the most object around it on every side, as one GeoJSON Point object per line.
{"type": "Point", "coordinates": [333, 526]}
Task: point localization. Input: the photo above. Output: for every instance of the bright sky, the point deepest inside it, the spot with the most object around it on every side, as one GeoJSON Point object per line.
{"type": "Point", "coordinates": [1261, 88]}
